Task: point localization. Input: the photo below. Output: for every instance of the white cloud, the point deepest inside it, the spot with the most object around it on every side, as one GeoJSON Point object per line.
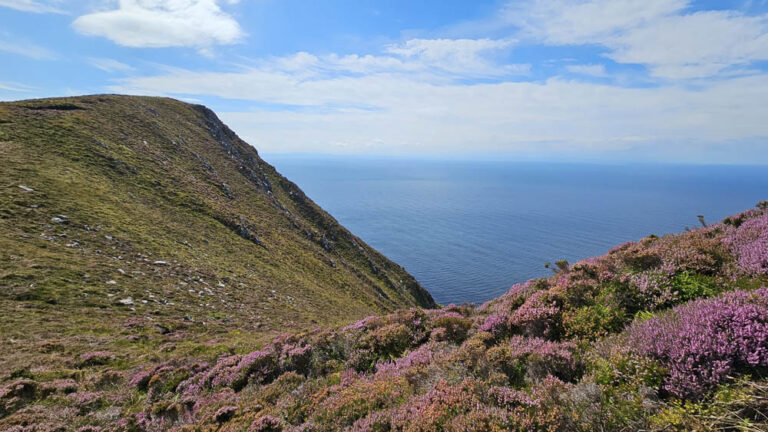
{"type": "Point", "coordinates": [565, 22]}
{"type": "Point", "coordinates": [695, 45]}
{"type": "Point", "coordinates": [34, 6]}
{"type": "Point", "coordinates": [661, 34]}
{"type": "Point", "coordinates": [595, 70]}
{"type": "Point", "coordinates": [411, 113]}
{"type": "Point", "coordinates": [470, 56]}
{"type": "Point", "coordinates": [16, 87]}
{"type": "Point", "coordinates": [109, 65]}
{"type": "Point", "coordinates": [163, 23]}
{"type": "Point", "coordinates": [361, 81]}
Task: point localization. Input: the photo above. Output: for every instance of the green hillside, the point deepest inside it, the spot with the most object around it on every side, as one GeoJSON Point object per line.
{"type": "Point", "coordinates": [115, 208]}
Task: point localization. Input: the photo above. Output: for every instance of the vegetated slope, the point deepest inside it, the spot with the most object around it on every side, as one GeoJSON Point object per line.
{"type": "Point", "coordinates": [666, 333]}
{"type": "Point", "coordinates": [117, 207]}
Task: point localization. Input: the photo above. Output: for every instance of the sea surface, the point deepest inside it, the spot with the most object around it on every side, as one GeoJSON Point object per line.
{"type": "Point", "coordinates": [469, 230]}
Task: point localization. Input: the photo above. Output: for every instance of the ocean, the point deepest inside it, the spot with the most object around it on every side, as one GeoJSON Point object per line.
{"type": "Point", "coordinates": [469, 230]}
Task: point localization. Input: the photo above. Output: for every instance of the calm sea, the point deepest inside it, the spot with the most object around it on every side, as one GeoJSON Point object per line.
{"type": "Point", "coordinates": [469, 230]}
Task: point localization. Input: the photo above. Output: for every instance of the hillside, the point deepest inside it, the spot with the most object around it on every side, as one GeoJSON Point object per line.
{"type": "Point", "coordinates": [157, 275]}
{"type": "Point", "coordinates": [115, 208]}
{"type": "Point", "coordinates": [666, 333]}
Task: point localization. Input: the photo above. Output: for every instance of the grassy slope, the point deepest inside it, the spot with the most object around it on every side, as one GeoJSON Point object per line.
{"type": "Point", "coordinates": [142, 180]}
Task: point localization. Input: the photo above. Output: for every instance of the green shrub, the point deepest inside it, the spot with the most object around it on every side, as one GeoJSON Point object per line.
{"type": "Point", "coordinates": [691, 286]}
{"type": "Point", "coordinates": [593, 322]}
{"type": "Point", "coordinates": [455, 328]}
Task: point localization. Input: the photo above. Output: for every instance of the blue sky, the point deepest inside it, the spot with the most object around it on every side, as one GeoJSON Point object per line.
{"type": "Point", "coordinates": [575, 80]}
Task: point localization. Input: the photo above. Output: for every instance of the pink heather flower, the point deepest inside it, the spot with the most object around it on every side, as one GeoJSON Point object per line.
{"type": "Point", "coordinates": [359, 325]}
{"type": "Point", "coordinates": [449, 314]}
{"type": "Point", "coordinates": [621, 247]}
{"type": "Point", "coordinates": [749, 242]}
{"type": "Point", "coordinates": [348, 376]}
{"type": "Point", "coordinates": [96, 358]}
{"type": "Point", "coordinates": [505, 396]}
{"type": "Point", "coordinates": [85, 398]}
{"type": "Point", "coordinates": [534, 316]}
{"type": "Point", "coordinates": [495, 323]}
{"type": "Point", "coordinates": [224, 414]}
{"type": "Point", "coordinates": [705, 341]}
{"type": "Point", "coordinates": [424, 354]}
{"type": "Point", "coordinates": [266, 423]}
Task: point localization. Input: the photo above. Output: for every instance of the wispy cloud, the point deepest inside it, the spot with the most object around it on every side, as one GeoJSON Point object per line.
{"type": "Point", "coordinates": [465, 56]}
{"type": "Point", "coordinates": [595, 70]}
{"type": "Point", "coordinates": [660, 34]}
{"type": "Point", "coordinates": [158, 23]}
{"type": "Point", "coordinates": [109, 65]}
{"type": "Point", "coordinates": [16, 87]}
{"type": "Point", "coordinates": [35, 6]}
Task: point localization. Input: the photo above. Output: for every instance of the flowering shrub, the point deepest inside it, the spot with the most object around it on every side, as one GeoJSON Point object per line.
{"type": "Point", "coordinates": [538, 316]}
{"type": "Point", "coordinates": [593, 322]}
{"type": "Point", "coordinates": [224, 414]}
{"type": "Point", "coordinates": [362, 324]}
{"type": "Point", "coordinates": [452, 328]}
{"type": "Point", "coordinates": [513, 298]}
{"type": "Point", "coordinates": [60, 386]}
{"type": "Point", "coordinates": [540, 408]}
{"type": "Point", "coordinates": [424, 354]}
{"type": "Point", "coordinates": [704, 342]}
{"type": "Point", "coordinates": [16, 394]}
{"type": "Point", "coordinates": [296, 358]}
{"type": "Point", "coordinates": [390, 340]}
{"type": "Point", "coordinates": [86, 401]}
{"type": "Point", "coordinates": [236, 371]}
{"type": "Point", "coordinates": [496, 324]}
{"type": "Point", "coordinates": [96, 358]}
{"type": "Point", "coordinates": [266, 423]}
{"type": "Point", "coordinates": [534, 359]}
{"type": "Point", "coordinates": [343, 405]}
{"type": "Point", "coordinates": [749, 242]}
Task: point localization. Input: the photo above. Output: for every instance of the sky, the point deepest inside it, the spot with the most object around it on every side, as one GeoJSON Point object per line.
{"type": "Point", "coordinates": [678, 81]}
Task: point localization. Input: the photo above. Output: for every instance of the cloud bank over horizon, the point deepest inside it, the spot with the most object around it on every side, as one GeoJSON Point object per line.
{"type": "Point", "coordinates": [646, 80]}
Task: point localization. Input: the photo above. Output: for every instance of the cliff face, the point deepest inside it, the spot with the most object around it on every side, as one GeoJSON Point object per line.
{"type": "Point", "coordinates": [114, 207]}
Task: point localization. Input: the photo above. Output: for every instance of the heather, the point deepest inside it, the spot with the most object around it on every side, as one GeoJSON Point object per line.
{"type": "Point", "coordinates": [706, 341]}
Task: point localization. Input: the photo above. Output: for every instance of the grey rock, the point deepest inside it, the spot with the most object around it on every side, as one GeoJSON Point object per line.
{"type": "Point", "coordinates": [128, 301]}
